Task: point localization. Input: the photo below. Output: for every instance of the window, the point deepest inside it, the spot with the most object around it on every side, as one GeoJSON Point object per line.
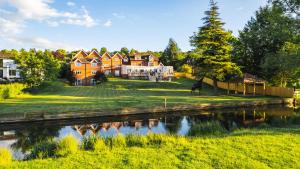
{"type": "Point", "coordinates": [1, 62]}
{"type": "Point", "coordinates": [12, 72]}
{"type": "Point", "coordinates": [94, 72]}
{"type": "Point", "coordinates": [94, 64]}
{"type": "Point", "coordinates": [126, 59]}
{"type": "Point", "coordinates": [1, 73]}
{"type": "Point", "coordinates": [77, 72]}
{"type": "Point", "coordinates": [78, 64]}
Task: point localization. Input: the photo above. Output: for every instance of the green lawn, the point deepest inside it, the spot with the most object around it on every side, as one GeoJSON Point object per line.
{"type": "Point", "coordinates": [267, 148]}
{"type": "Point", "coordinates": [113, 95]}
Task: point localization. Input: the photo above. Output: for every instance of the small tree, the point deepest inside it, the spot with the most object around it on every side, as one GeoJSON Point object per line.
{"type": "Point", "coordinates": [124, 51]}
{"type": "Point", "coordinates": [103, 50]}
{"type": "Point", "coordinates": [172, 55]}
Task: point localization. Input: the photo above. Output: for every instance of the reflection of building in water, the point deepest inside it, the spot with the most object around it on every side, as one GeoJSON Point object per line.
{"type": "Point", "coordinates": [95, 128]}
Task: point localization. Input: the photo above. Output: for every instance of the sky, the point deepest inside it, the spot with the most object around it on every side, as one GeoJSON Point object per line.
{"type": "Point", "coordinates": [86, 24]}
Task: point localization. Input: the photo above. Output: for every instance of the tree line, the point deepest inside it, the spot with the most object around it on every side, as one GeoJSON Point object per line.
{"type": "Point", "coordinates": [268, 46]}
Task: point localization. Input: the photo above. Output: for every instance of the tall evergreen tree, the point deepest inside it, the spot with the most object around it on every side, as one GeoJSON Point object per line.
{"type": "Point", "coordinates": [213, 48]}
{"type": "Point", "coordinates": [172, 55]}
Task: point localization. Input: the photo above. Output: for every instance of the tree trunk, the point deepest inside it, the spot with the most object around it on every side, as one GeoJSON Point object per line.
{"type": "Point", "coordinates": [215, 85]}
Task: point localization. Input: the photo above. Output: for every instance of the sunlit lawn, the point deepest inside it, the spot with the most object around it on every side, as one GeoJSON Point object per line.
{"type": "Point", "coordinates": [113, 95]}
{"type": "Point", "coordinates": [241, 149]}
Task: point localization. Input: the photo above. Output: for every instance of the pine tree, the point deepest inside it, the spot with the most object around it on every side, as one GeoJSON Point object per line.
{"type": "Point", "coordinates": [213, 48]}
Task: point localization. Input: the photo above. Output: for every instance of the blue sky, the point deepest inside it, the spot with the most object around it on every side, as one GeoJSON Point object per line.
{"type": "Point", "coordinates": [85, 24]}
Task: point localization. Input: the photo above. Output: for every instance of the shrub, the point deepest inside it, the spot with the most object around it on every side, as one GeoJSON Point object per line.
{"type": "Point", "coordinates": [43, 150]}
{"type": "Point", "coordinates": [116, 141]}
{"type": "Point", "coordinates": [136, 140]}
{"type": "Point", "coordinates": [100, 145]}
{"type": "Point", "coordinates": [5, 157]}
{"type": "Point", "coordinates": [155, 139]}
{"type": "Point", "coordinates": [100, 77]}
{"type": "Point", "coordinates": [88, 143]}
{"type": "Point", "coordinates": [67, 145]}
{"type": "Point", "coordinates": [4, 93]}
{"type": "Point", "coordinates": [11, 90]}
{"type": "Point", "coordinates": [186, 68]}
{"type": "Point", "coordinates": [207, 128]}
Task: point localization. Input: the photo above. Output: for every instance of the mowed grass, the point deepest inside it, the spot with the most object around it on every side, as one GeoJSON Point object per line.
{"type": "Point", "coordinates": [113, 95]}
{"type": "Point", "coordinates": [268, 148]}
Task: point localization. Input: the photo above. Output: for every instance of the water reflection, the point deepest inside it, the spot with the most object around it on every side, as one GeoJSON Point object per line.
{"type": "Point", "coordinates": [22, 137]}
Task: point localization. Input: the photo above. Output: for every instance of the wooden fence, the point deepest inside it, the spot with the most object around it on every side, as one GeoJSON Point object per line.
{"type": "Point", "coordinates": [239, 87]}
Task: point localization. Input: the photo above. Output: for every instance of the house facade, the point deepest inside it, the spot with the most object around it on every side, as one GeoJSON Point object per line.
{"type": "Point", "coordinates": [9, 69]}
{"type": "Point", "coordinates": [85, 66]}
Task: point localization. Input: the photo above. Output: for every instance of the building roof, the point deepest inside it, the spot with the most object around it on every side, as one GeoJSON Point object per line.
{"type": "Point", "coordinates": [6, 55]}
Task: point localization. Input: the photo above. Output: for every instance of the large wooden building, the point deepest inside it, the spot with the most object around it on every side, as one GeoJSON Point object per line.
{"type": "Point", "coordinates": [84, 66]}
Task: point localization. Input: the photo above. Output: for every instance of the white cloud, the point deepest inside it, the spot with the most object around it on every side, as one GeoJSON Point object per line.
{"type": "Point", "coordinates": [10, 27]}
{"type": "Point", "coordinates": [108, 23]}
{"type": "Point", "coordinates": [53, 23]}
{"type": "Point", "coordinates": [40, 43]}
{"type": "Point", "coordinates": [42, 11]}
{"type": "Point", "coordinates": [71, 3]}
{"type": "Point", "coordinates": [117, 15]}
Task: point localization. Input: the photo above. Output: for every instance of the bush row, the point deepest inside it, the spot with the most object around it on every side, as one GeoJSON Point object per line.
{"type": "Point", "coordinates": [11, 90]}
{"type": "Point", "coordinates": [70, 145]}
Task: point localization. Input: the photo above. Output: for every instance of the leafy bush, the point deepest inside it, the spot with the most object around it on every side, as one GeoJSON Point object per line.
{"type": "Point", "coordinates": [47, 86]}
{"type": "Point", "coordinates": [100, 77]}
{"type": "Point", "coordinates": [67, 145]}
{"type": "Point", "coordinates": [207, 128]}
{"type": "Point", "coordinates": [11, 90]}
{"type": "Point", "coordinates": [99, 145]}
{"type": "Point", "coordinates": [4, 93]}
{"type": "Point", "coordinates": [43, 150]}
{"type": "Point", "coordinates": [88, 143]}
{"type": "Point", "coordinates": [136, 140]}
{"type": "Point", "coordinates": [186, 68]}
{"type": "Point", "coordinates": [5, 157]}
{"type": "Point", "coordinates": [156, 139]}
{"type": "Point", "coordinates": [116, 141]}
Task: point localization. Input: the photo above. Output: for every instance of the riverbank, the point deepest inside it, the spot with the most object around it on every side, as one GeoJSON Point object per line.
{"type": "Point", "coordinates": [248, 148]}
{"type": "Point", "coordinates": [120, 97]}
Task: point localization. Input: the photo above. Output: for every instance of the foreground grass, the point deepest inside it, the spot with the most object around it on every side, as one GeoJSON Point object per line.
{"type": "Point", "coordinates": [268, 148]}
{"type": "Point", "coordinates": [113, 95]}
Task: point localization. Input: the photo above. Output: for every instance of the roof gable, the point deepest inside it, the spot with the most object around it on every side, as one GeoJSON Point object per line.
{"type": "Point", "coordinates": [81, 53]}
{"type": "Point", "coordinates": [106, 54]}
{"type": "Point", "coordinates": [118, 55]}
{"type": "Point", "coordinates": [93, 54]}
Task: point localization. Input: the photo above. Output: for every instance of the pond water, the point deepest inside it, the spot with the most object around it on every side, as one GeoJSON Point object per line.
{"type": "Point", "coordinates": [21, 137]}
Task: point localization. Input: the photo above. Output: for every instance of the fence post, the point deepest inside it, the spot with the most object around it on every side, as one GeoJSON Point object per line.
{"type": "Point", "coordinates": [165, 103]}
{"type": "Point", "coordinates": [228, 92]}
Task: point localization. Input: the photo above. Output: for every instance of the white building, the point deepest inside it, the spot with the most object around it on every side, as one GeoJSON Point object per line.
{"type": "Point", "coordinates": [9, 69]}
{"type": "Point", "coordinates": [147, 72]}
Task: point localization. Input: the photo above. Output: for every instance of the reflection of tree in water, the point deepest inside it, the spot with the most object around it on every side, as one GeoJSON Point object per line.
{"type": "Point", "coordinates": [27, 138]}
{"type": "Point", "coordinates": [173, 124]}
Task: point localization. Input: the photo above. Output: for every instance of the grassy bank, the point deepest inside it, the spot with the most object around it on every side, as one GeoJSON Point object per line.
{"type": "Point", "coordinates": [113, 95]}
{"type": "Point", "coordinates": [250, 148]}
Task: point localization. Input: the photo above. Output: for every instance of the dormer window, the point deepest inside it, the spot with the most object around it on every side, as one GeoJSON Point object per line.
{"type": "Point", "coordinates": [78, 64]}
